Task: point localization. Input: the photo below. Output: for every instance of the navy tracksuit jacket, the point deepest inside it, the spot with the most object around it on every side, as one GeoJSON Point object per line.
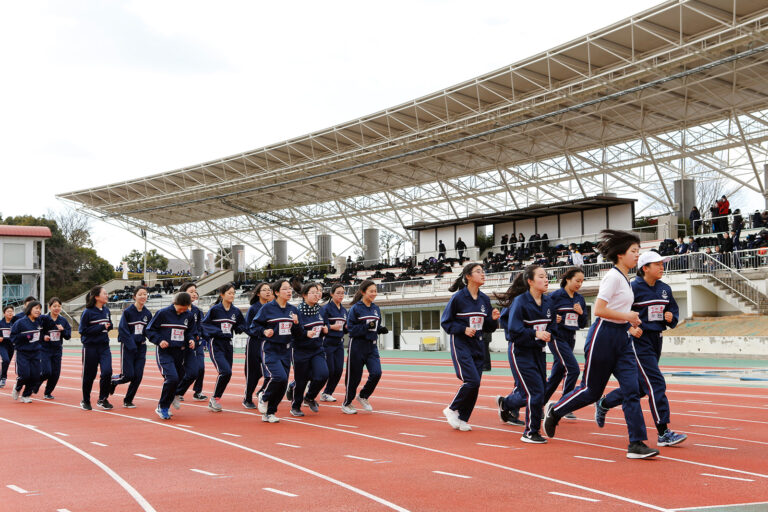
{"type": "Point", "coordinates": [131, 333]}
{"type": "Point", "coordinates": [27, 336]}
{"type": "Point", "coordinates": [95, 325]}
{"type": "Point", "coordinates": [219, 326]}
{"type": "Point", "coordinates": [50, 352]}
{"type": "Point", "coordinates": [308, 356]}
{"type": "Point", "coordinates": [176, 329]}
{"type": "Point", "coordinates": [333, 344]}
{"type": "Point", "coordinates": [194, 359]}
{"type": "Point", "coordinates": [6, 347]}
{"type": "Point", "coordinates": [564, 366]}
{"type": "Point", "coordinates": [364, 323]}
{"type": "Point", "coordinates": [252, 356]}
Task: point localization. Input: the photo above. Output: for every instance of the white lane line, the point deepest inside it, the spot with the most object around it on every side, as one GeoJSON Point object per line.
{"type": "Point", "coordinates": [714, 446]}
{"type": "Point", "coordinates": [360, 458]}
{"type": "Point", "coordinates": [602, 434]}
{"type": "Point", "coordinates": [277, 491]}
{"type": "Point", "coordinates": [61, 434]}
{"type": "Point", "coordinates": [17, 489]}
{"type": "Point", "coordinates": [98, 443]}
{"type": "Point", "coordinates": [289, 445]}
{"type": "Point", "coordinates": [493, 445]}
{"type": "Point", "coordinates": [346, 426]}
{"type": "Point", "coordinates": [228, 434]}
{"type": "Point", "coordinates": [704, 412]}
{"type": "Point", "coordinates": [62, 510]}
{"type": "Point", "coordinates": [593, 458]}
{"type": "Point", "coordinates": [572, 496]}
{"type": "Point", "coordinates": [145, 456]}
{"type": "Point", "coordinates": [185, 426]}
{"type": "Point", "coordinates": [412, 435]}
{"type": "Point", "coordinates": [710, 426]}
{"type": "Point", "coordinates": [451, 474]}
{"type": "Point", "coordinates": [728, 477]}
{"type": "Point", "coordinates": [206, 473]}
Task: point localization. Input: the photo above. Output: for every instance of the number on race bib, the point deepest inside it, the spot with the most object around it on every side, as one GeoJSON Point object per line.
{"type": "Point", "coordinates": [571, 320]}
{"type": "Point", "coordinates": [6, 333]}
{"type": "Point", "coordinates": [540, 327]}
{"type": "Point", "coordinates": [138, 329]}
{"type": "Point", "coordinates": [226, 328]}
{"type": "Point", "coordinates": [35, 337]}
{"type": "Point", "coordinates": [656, 313]}
{"type": "Point", "coordinates": [284, 328]}
{"type": "Point", "coordinates": [177, 334]}
{"type": "Point", "coordinates": [315, 332]}
{"type": "Point", "coordinates": [55, 335]}
{"type": "Point", "coordinates": [476, 322]}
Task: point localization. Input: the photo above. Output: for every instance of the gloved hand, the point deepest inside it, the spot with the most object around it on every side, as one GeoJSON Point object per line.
{"type": "Point", "coordinates": [383, 330]}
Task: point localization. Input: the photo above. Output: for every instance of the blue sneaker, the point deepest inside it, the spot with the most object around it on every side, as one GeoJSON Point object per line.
{"type": "Point", "coordinates": [164, 414]}
{"type": "Point", "coordinates": [670, 438]}
{"type": "Point", "coordinates": [600, 413]}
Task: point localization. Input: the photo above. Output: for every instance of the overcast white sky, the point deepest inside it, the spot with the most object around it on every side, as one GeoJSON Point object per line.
{"type": "Point", "coordinates": [95, 92]}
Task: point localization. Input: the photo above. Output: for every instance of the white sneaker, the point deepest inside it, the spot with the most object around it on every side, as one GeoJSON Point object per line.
{"type": "Point", "coordinates": [262, 405]}
{"type": "Point", "coordinates": [176, 402]}
{"type": "Point", "coordinates": [270, 418]}
{"type": "Point", "coordinates": [325, 397]}
{"type": "Point", "coordinates": [452, 417]}
{"type": "Point", "coordinates": [464, 426]}
{"type": "Point", "coordinates": [364, 403]}
{"type": "Point", "coordinates": [15, 393]}
{"type": "Point", "coordinates": [26, 399]}
{"type": "Point", "coordinates": [214, 404]}
{"type": "Point", "coordinates": [348, 409]}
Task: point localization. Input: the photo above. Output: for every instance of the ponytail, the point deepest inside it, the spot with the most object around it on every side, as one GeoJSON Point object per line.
{"type": "Point", "coordinates": [461, 281]}
{"type": "Point", "coordinates": [361, 290]}
{"type": "Point", "coordinates": [90, 298]}
{"type": "Point", "coordinates": [222, 290]}
{"type": "Point", "coordinates": [518, 287]}
{"type": "Point", "coordinates": [256, 292]}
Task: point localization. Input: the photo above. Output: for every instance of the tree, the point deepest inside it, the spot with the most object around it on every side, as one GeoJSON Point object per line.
{"type": "Point", "coordinates": [390, 244]}
{"type": "Point", "coordinates": [155, 260]}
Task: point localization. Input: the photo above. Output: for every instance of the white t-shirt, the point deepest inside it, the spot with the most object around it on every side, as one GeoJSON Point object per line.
{"type": "Point", "coordinates": [616, 291]}
{"type": "Point", "coordinates": [577, 259]}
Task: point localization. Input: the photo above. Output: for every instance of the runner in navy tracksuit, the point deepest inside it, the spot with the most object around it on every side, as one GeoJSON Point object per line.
{"type": "Point", "coordinates": [20, 314]}
{"type": "Point", "coordinates": [6, 345]}
{"type": "Point", "coordinates": [529, 329]}
{"type": "Point", "coordinates": [277, 323]}
{"type": "Point", "coordinates": [131, 333]}
{"type": "Point", "coordinates": [307, 354]}
{"type": "Point", "coordinates": [220, 325]}
{"type": "Point", "coordinates": [95, 324]}
{"type": "Point", "coordinates": [170, 330]}
{"type": "Point", "coordinates": [56, 329]}
{"type": "Point", "coordinates": [335, 316]}
{"type": "Point", "coordinates": [658, 310]}
{"type": "Point", "coordinates": [261, 295]}
{"type": "Point", "coordinates": [364, 325]}
{"type": "Point", "coordinates": [26, 336]}
{"type": "Point", "coordinates": [194, 360]}
{"type": "Point", "coordinates": [608, 349]}
{"type": "Point", "coordinates": [466, 316]}
{"type": "Point", "coordinates": [571, 311]}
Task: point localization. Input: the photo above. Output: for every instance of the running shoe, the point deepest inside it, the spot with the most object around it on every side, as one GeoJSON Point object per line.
{"type": "Point", "coordinates": [570, 416]}
{"type": "Point", "coordinates": [639, 450]}
{"type": "Point", "coordinates": [348, 409]}
{"type": "Point", "coordinates": [452, 417]}
{"type": "Point", "coordinates": [200, 397]}
{"type": "Point", "coordinates": [600, 413]}
{"type": "Point", "coordinates": [26, 399]}
{"type": "Point", "coordinates": [248, 404]}
{"type": "Point", "coordinates": [2, 383]}
{"type": "Point", "coordinates": [533, 437]}
{"type": "Point", "coordinates": [129, 405]}
{"type": "Point", "coordinates": [270, 418]}
{"type": "Point", "coordinates": [214, 404]}
{"type": "Point", "coordinates": [289, 391]}
{"type": "Point", "coordinates": [163, 413]}
{"type": "Point", "coordinates": [312, 404]}
{"type": "Point", "coordinates": [464, 426]}
{"type": "Point", "coordinates": [48, 397]}
{"type": "Point", "coordinates": [297, 412]}
{"type": "Point", "coordinates": [550, 420]}
{"type": "Point", "coordinates": [176, 402]}
{"type": "Point", "coordinates": [262, 405]}
{"type": "Point", "coordinates": [670, 438]}
{"type": "Point", "coordinates": [86, 406]}
{"type": "Point", "coordinates": [104, 404]}
{"type": "Point", "coordinates": [325, 397]}
{"type": "Point", "coordinates": [364, 402]}
{"type": "Point", "coordinates": [15, 394]}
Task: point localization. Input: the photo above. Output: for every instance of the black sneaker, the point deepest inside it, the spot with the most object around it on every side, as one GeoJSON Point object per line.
{"type": "Point", "coordinates": [48, 396]}
{"type": "Point", "coordinates": [639, 450]}
{"type": "Point", "coordinates": [550, 420]}
{"type": "Point", "coordinates": [297, 412]}
{"type": "Point", "coordinates": [2, 383]}
{"type": "Point", "coordinates": [104, 404]}
{"type": "Point", "coordinates": [514, 415]}
{"type": "Point", "coordinates": [600, 412]}
{"type": "Point", "coordinates": [504, 415]}
{"type": "Point", "coordinates": [129, 405]}
{"type": "Point", "coordinates": [86, 405]}
{"type": "Point", "coordinates": [112, 387]}
{"type": "Point", "coordinates": [289, 391]}
{"type": "Point", "coordinates": [200, 397]}
{"type": "Point", "coordinates": [534, 438]}
{"type": "Point", "coordinates": [312, 404]}
{"type": "Point", "coordinates": [248, 404]}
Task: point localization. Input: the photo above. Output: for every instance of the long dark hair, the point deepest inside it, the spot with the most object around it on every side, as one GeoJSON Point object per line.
{"type": "Point", "coordinates": [361, 290]}
{"type": "Point", "coordinates": [518, 287]}
{"type": "Point", "coordinates": [186, 286]}
{"type": "Point", "coordinates": [461, 281]}
{"type": "Point", "coordinates": [569, 274]}
{"type": "Point", "coordinates": [256, 291]}
{"type": "Point", "coordinates": [90, 298]}
{"type": "Point", "coordinates": [221, 290]}
{"type": "Point", "coordinates": [138, 289]}
{"type": "Point", "coordinates": [30, 306]}
{"type": "Point", "coordinates": [333, 288]}
{"type": "Point", "coordinates": [277, 285]}
{"type": "Point", "coordinates": [614, 242]}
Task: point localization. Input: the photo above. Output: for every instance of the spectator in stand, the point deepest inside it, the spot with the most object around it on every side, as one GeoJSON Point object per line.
{"type": "Point", "coordinates": [577, 260]}
{"type": "Point", "coordinates": [713, 218]}
{"type": "Point", "coordinates": [505, 240]}
{"type": "Point", "coordinates": [757, 219]}
{"type": "Point", "coordinates": [695, 218]}
{"type": "Point", "coordinates": [693, 245]}
{"type": "Point", "coordinates": [441, 250]}
{"type": "Point", "coordinates": [764, 217]}
{"type": "Point", "coordinates": [727, 245]}
{"type": "Point", "coordinates": [682, 247]}
{"type": "Point", "coordinates": [723, 209]}
{"type": "Point", "coordinates": [738, 225]}
{"type": "Point", "coordinates": [461, 247]}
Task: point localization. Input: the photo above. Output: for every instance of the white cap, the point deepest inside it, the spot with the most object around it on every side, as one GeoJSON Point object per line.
{"type": "Point", "coordinates": [651, 257]}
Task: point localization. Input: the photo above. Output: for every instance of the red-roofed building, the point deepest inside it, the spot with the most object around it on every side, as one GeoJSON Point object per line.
{"type": "Point", "coordinates": [22, 253]}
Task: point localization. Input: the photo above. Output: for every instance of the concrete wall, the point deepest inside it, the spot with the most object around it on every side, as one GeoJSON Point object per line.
{"type": "Point", "coordinates": [446, 235]}
{"type": "Point", "coordinates": [547, 225]}
{"type": "Point", "coordinates": [527, 227]}
{"type": "Point", "coordinates": [620, 216]}
{"type": "Point", "coordinates": [504, 228]}
{"type": "Point", "coordinates": [595, 220]}
{"type": "Point", "coordinates": [427, 240]}
{"type": "Point", "coordinates": [570, 224]}
{"type": "Point", "coordinates": [467, 234]}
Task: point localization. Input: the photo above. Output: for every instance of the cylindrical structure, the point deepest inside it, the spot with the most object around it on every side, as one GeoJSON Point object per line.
{"type": "Point", "coordinates": [238, 258]}
{"type": "Point", "coordinates": [765, 184]}
{"type": "Point", "coordinates": [198, 262]}
{"type": "Point", "coordinates": [371, 241]}
{"type": "Point", "coordinates": [211, 263]}
{"type": "Point", "coordinates": [323, 248]}
{"type": "Point", "coordinates": [280, 252]}
{"type": "Point", "coordinates": [685, 196]}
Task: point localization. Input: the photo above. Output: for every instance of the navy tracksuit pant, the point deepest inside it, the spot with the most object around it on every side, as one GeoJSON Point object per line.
{"type": "Point", "coordinates": [468, 361]}
{"type": "Point", "coordinates": [650, 379]}
{"type": "Point", "coordinates": [27, 371]}
{"type": "Point", "coordinates": [132, 364]}
{"type": "Point", "coordinates": [170, 362]}
{"type": "Point", "coordinates": [608, 350]}
{"type": "Point", "coordinates": [96, 355]}
{"type": "Point", "coordinates": [6, 354]}
{"type": "Point", "coordinates": [252, 367]}
{"type": "Point", "coordinates": [529, 366]}
{"type": "Point", "coordinates": [308, 367]}
{"type": "Point", "coordinates": [198, 387]}
{"type": "Point", "coordinates": [362, 353]}
{"type": "Point", "coordinates": [222, 357]}
{"type": "Point", "coordinates": [50, 368]}
{"type": "Point", "coordinates": [276, 364]}
{"type": "Point", "coordinates": [193, 362]}
{"type": "Point", "coordinates": [565, 368]}
{"type": "Point", "coordinates": [334, 358]}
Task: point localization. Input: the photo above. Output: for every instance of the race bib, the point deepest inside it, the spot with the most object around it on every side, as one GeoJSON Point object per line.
{"type": "Point", "coordinates": [6, 333]}
{"type": "Point", "coordinates": [35, 337]}
{"type": "Point", "coordinates": [177, 334]}
{"type": "Point", "coordinates": [284, 328]}
{"type": "Point", "coordinates": [571, 320]}
{"type": "Point", "coordinates": [375, 327]}
{"type": "Point", "coordinates": [314, 332]}
{"type": "Point", "coordinates": [339, 324]}
{"type": "Point", "coordinates": [138, 329]}
{"type": "Point", "coordinates": [476, 322]}
{"type": "Point", "coordinates": [540, 327]}
{"type": "Point", "coordinates": [226, 328]}
{"type": "Point", "coordinates": [55, 335]}
{"type": "Point", "coordinates": [656, 313]}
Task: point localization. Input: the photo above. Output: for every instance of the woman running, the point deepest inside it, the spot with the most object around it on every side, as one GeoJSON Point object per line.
{"type": "Point", "coordinates": [335, 316]}
{"type": "Point", "coordinates": [95, 324]}
{"type": "Point", "coordinates": [131, 333]}
{"type": "Point", "coordinates": [309, 366]}
{"type": "Point", "coordinates": [571, 311]}
{"type": "Point", "coordinates": [277, 323]}
{"type": "Point", "coordinates": [364, 324]}
{"type": "Point", "coordinates": [6, 345]}
{"type": "Point", "coordinates": [221, 323]}
{"type": "Point", "coordinates": [194, 360]}
{"type": "Point", "coordinates": [262, 294]}
{"type": "Point", "coordinates": [466, 316]}
{"type": "Point", "coordinates": [658, 311]}
{"type": "Point", "coordinates": [608, 349]}
{"type": "Point", "coordinates": [26, 336]}
{"type": "Point", "coordinates": [56, 329]}
{"type": "Point", "coordinates": [529, 329]}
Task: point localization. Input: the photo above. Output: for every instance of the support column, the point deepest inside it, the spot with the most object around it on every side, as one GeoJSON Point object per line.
{"type": "Point", "coordinates": [280, 252]}
{"type": "Point", "coordinates": [198, 262]}
{"type": "Point", "coordinates": [371, 241]}
{"type": "Point", "coordinates": [323, 248]}
{"type": "Point", "coordinates": [685, 196]}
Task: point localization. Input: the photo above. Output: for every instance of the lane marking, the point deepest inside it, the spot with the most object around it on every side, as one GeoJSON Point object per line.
{"type": "Point", "coordinates": [98, 444]}
{"type": "Point", "coordinates": [360, 458]}
{"type": "Point", "coordinates": [412, 435]}
{"type": "Point", "coordinates": [451, 474]}
{"type": "Point", "coordinates": [573, 496]}
{"type": "Point", "coordinates": [704, 412]}
{"type": "Point", "coordinates": [603, 434]}
{"type": "Point", "coordinates": [62, 510]}
{"type": "Point", "coordinates": [61, 434]}
{"type": "Point", "coordinates": [347, 426]}
{"type": "Point", "coordinates": [277, 491]}
{"type": "Point", "coordinates": [185, 426]}
{"type": "Point", "coordinates": [145, 456]}
{"type": "Point", "coordinates": [289, 445]}
{"type": "Point", "coordinates": [593, 458]}
{"type": "Point", "coordinates": [713, 446]}
{"type": "Point", "coordinates": [718, 507]}
{"type": "Point", "coordinates": [228, 434]}
{"type": "Point", "coordinates": [728, 477]}
{"type": "Point", "coordinates": [493, 445]}
{"type": "Point", "coordinates": [202, 472]}
{"type": "Point", "coordinates": [17, 489]}
{"type": "Point", "coordinates": [710, 426]}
